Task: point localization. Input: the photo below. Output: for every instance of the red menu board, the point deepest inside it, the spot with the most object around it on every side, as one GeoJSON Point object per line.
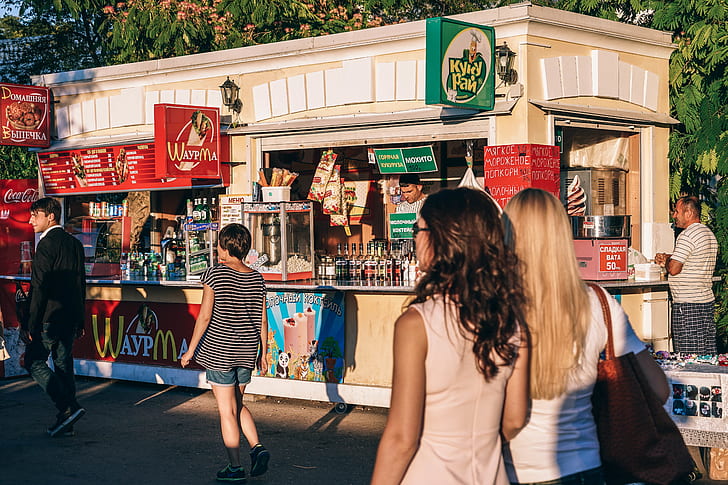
{"type": "Point", "coordinates": [25, 115]}
{"type": "Point", "coordinates": [510, 168]}
{"type": "Point", "coordinates": [187, 140]}
{"type": "Point", "coordinates": [103, 169]}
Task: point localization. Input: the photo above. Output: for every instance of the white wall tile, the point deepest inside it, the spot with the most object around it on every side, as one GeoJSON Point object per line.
{"type": "Point", "coordinates": [103, 120]}
{"type": "Point", "coordinates": [637, 88]}
{"type": "Point", "coordinates": [584, 75]}
{"type": "Point", "coordinates": [214, 98]}
{"type": "Point", "coordinates": [279, 97]}
{"type": "Point", "coordinates": [62, 124]}
{"type": "Point", "coordinates": [198, 97]}
{"type": "Point", "coordinates": [75, 119]}
{"type": "Point", "coordinates": [261, 102]}
{"type": "Point", "coordinates": [150, 100]}
{"type": "Point", "coordinates": [166, 96]}
{"type": "Point", "coordinates": [358, 77]}
{"type": "Point", "coordinates": [182, 96]}
{"type": "Point", "coordinates": [297, 93]}
{"type": "Point", "coordinates": [652, 88]}
{"type": "Point", "coordinates": [551, 71]}
{"type": "Point", "coordinates": [605, 72]}
{"type": "Point", "coordinates": [315, 97]}
{"type": "Point", "coordinates": [569, 82]}
{"type": "Point", "coordinates": [421, 79]}
{"type": "Point", "coordinates": [385, 81]}
{"type": "Point", "coordinates": [334, 82]}
{"type": "Point", "coordinates": [89, 116]}
{"type": "Point", "coordinates": [625, 81]}
{"type": "Point", "coordinates": [406, 80]}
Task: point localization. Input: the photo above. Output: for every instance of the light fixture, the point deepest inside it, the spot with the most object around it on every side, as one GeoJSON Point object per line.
{"type": "Point", "coordinates": [504, 64]}
{"type": "Point", "coordinates": [230, 99]}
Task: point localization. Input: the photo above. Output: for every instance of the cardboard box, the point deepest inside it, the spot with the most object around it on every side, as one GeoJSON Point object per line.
{"type": "Point", "coordinates": [276, 194]}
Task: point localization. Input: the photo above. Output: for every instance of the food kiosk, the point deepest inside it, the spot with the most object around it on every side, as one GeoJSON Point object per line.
{"type": "Point", "coordinates": [345, 105]}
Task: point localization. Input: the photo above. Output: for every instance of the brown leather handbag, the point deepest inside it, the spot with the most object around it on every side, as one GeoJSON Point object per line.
{"type": "Point", "coordinates": [638, 440]}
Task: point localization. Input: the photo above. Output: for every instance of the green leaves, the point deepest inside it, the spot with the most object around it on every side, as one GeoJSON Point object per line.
{"type": "Point", "coordinates": [17, 163]}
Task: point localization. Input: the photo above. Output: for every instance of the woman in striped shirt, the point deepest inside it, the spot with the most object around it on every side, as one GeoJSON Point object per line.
{"type": "Point", "coordinates": [230, 329]}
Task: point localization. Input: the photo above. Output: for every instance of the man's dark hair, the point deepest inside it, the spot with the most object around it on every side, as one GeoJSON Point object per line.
{"type": "Point", "coordinates": [691, 203]}
{"type": "Point", "coordinates": [49, 206]}
{"type": "Point", "coordinates": [409, 179]}
{"type": "Point", "coordinates": [235, 239]}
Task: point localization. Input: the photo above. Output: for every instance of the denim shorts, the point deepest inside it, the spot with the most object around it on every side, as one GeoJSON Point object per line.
{"type": "Point", "coordinates": [238, 376]}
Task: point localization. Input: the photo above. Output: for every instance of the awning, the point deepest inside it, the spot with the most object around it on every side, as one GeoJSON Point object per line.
{"type": "Point", "coordinates": [423, 125]}
{"type": "Point", "coordinates": [98, 141]}
{"type": "Point", "coordinates": [610, 114]}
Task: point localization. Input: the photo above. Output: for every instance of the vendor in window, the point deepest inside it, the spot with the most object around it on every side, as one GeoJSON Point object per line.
{"type": "Point", "coordinates": [411, 191]}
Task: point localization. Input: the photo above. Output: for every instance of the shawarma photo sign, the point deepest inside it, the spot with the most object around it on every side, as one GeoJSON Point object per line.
{"type": "Point", "coordinates": [187, 141]}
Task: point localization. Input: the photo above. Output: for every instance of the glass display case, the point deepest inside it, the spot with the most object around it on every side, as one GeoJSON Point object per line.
{"type": "Point", "coordinates": [105, 240]}
{"type": "Point", "coordinates": [200, 247]}
{"type": "Point", "coordinates": [282, 239]}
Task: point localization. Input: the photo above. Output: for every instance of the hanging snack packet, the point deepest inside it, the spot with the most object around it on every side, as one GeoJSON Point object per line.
{"type": "Point", "coordinates": [321, 176]}
{"type": "Point", "coordinates": [334, 190]}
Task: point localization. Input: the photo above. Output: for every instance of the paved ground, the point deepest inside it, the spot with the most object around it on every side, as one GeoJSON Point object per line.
{"type": "Point", "coordinates": [138, 434]}
{"type": "Point", "coordinates": [151, 434]}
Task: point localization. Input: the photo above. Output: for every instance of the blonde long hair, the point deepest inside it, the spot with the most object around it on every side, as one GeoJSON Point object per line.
{"type": "Point", "coordinates": [557, 312]}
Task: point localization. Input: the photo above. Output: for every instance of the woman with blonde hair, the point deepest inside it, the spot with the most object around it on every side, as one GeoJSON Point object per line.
{"type": "Point", "coordinates": [460, 378]}
{"type": "Point", "coordinates": [559, 444]}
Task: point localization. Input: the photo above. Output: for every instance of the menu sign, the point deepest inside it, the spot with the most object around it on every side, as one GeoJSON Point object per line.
{"type": "Point", "coordinates": [103, 169]}
{"type": "Point", "coordinates": [510, 168]}
{"type": "Point", "coordinates": [187, 139]}
{"type": "Point", "coordinates": [25, 115]}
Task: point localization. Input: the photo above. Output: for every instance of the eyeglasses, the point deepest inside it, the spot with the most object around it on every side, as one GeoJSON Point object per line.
{"type": "Point", "coordinates": [416, 229]}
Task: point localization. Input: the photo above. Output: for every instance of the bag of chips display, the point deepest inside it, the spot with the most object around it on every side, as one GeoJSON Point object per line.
{"type": "Point", "coordinates": [334, 190]}
{"type": "Point", "coordinates": [322, 176]}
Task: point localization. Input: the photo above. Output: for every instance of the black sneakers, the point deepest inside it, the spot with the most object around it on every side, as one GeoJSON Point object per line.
{"type": "Point", "coordinates": [259, 457]}
{"type": "Point", "coordinates": [232, 474]}
{"type": "Point", "coordinates": [65, 421]}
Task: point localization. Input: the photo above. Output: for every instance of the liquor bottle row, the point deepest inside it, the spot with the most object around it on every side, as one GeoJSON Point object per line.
{"type": "Point", "coordinates": [200, 211]}
{"type": "Point", "coordinates": [137, 265]}
{"type": "Point", "coordinates": [382, 263]}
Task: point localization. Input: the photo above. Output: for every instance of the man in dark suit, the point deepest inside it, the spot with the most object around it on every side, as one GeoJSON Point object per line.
{"type": "Point", "coordinates": [57, 310]}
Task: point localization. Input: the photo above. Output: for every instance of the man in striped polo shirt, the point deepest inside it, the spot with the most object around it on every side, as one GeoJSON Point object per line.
{"type": "Point", "coordinates": [691, 268]}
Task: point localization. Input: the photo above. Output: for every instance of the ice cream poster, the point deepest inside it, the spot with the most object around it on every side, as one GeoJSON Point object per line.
{"type": "Point", "coordinates": [305, 336]}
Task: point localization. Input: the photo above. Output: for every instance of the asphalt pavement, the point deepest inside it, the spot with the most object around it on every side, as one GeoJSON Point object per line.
{"type": "Point", "coordinates": [138, 434]}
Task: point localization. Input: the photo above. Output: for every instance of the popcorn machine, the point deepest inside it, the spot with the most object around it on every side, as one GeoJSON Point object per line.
{"type": "Point", "coordinates": [282, 239]}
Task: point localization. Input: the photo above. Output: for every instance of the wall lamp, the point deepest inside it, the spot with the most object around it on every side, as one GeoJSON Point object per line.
{"type": "Point", "coordinates": [504, 64]}
{"type": "Point", "coordinates": [230, 99]}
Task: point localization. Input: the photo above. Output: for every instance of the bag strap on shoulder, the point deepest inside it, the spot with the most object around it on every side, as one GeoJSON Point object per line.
{"type": "Point", "coordinates": [609, 349]}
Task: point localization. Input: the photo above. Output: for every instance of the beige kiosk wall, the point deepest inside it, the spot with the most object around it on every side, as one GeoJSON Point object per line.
{"type": "Point", "coordinates": [369, 324]}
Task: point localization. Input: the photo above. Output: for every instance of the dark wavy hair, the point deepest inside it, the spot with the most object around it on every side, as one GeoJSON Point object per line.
{"type": "Point", "coordinates": [235, 239]}
{"type": "Point", "coordinates": [473, 267]}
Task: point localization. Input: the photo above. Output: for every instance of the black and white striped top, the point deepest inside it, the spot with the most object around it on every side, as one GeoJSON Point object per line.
{"type": "Point", "coordinates": [233, 335]}
{"type": "Point", "coordinates": [696, 248]}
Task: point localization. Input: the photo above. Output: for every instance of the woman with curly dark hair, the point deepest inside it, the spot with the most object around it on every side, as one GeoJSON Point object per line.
{"type": "Point", "coordinates": [460, 379]}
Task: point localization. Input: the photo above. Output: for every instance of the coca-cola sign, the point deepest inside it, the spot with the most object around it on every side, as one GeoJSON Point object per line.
{"type": "Point", "coordinates": [25, 115]}
{"type": "Point", "coordinates": [20, 196]}
{"type": "Point", "coordinates": [17, 197]}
